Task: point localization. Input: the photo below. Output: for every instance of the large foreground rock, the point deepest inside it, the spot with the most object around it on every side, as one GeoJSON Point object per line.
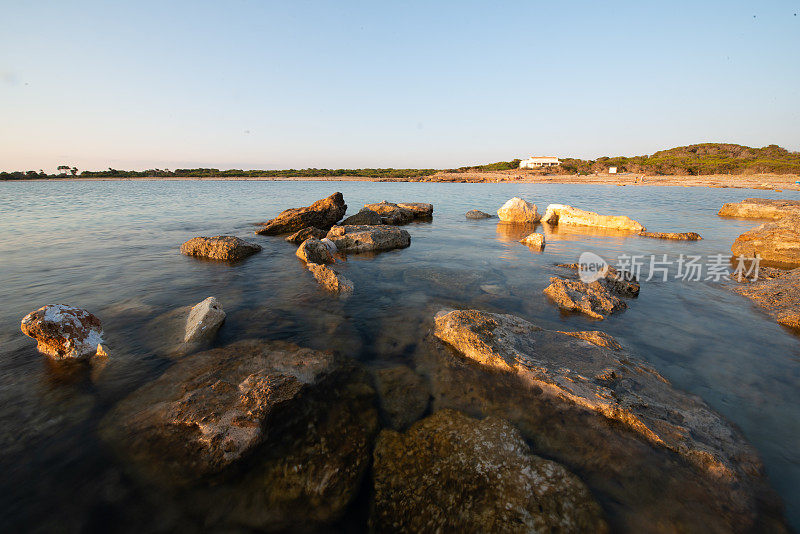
{"type": "Point", "coordinates": [251, 436]}
{"type": "Point", "coordinates": [777, 292]}
{"type": "Point", "coordinates": [365, 238]}
{"type": "Point", "coordinates": [321, 214]}
{"type": "Point", "coordinates": [563, 214]}
{"type": "Point", "coordinates": [401, 213]}
{"type": "Point", "coordinates": [776, 242]}
{"type": "Point", "coordinates": [760, 208]}
{"type": "Point", "coordinates": [221, 247]}
{"type": "Point", "coordinates": [63, 332]}
{"type": "Point", "coordinates": [516, 210]}
{"type": "Point", "coordinates": [657, 459]}
{"type": "Point", "coordinates": [453, 473]}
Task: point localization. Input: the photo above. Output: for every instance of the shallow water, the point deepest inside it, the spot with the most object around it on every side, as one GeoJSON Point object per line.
{"type": "Point", "coordinates": [112, 248]}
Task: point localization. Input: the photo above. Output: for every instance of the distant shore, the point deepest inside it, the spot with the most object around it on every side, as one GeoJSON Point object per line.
{"type": "Point", "coordinates": [774, 182]}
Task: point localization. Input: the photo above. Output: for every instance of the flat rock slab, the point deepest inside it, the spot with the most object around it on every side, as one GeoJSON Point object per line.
{"type": "Point", "coordinates": [63, 332]}
{"type": "Point", "coordinates": [321, 214]}
{"type": "Point", "coordinates": [777, 292]}
{"type": "Point", "coordinates": [760, 208]}
{"type": "Point", "coordinates": [777, 242]}
{"type": "Point", "coordinates": [366, 238]}
{"type": "Point", "coordinates": [221, 247]}
{"type": "Point", "coordinates": [679, 236]}
{"type": "Point", "coordinates": [453, 473]}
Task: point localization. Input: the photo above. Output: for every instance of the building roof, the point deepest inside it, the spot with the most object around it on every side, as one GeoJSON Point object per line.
{"type": "Point", "coordinates": [543, 159]}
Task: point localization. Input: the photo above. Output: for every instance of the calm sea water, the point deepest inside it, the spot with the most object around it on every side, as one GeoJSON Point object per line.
{"type": "Point", "coordinates": [112, 248]}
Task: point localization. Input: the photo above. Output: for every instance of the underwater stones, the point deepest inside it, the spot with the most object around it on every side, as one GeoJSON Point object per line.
{"type": "Point", "coordinates": [313, 250]}
{"type": "Point", "coordinates": [368, 238]}
{"type": "Point", "coordinates": [221, 247]}
{"type": "Point", "coordinates": [330, 279]}
{"type": "Point", "coordinates": [64, 332]}
{"type": "Point", "coordinates": [363, 217]}
{"type": "Point", "coordinates": [534, 241]}
{"type": "Point", "coordinates": [516, 210]}
{"type": "Point", "coordinates": [777, 242]}
{"type": "Point", "coordinates": [403, 395]}
{"type": "Point", "coordinates": [306, 233]}
{"type": "Point", "coordinates": [321, 214]}
{"type": "Point", "coordinates": [477, 214]}
{"type": "Point", "coordinates": [760, 208]}
{"type": "Point", "coordinates": [452, 473]}
{"type": "Point", "coordinates": [593, 299]}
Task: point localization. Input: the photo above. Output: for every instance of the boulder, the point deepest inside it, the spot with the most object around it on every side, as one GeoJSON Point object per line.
{"type": "Point", "coordinates": [330, 279]}
{"type": "Point", "coordinates": [533, 240]}
{"type": "Point", "coordinates": [594, 299]}
{"type": "Point", "coordinates": [777, 292]}
{"type": "Point", "coordinates": [760, 208]}
{"type": "Point", "coordinates": [776, 242]}
{"type": "Point", "coordinates": [204, 321]}
{"type": "Point", "coordinates": [221, 247]}
{"type": "Point", "coordinates": [321, 214]}
{"type": "Point", "coordinates": [574, 216]}
{"type": "Point", "coordinates": [63, 332]}
{"type": "Point", "coordinates": [314, 251]}
{"type": "Point", "coordinates": [366, 238]}
{"type": "Point", "coordinates": [453, 473]}
{"type": "Point", "coordinates": [657, 459]}
{"type": "Point", "coordinates": [403, 395]}
{"type": "Point", "coordinates": [552, 212]}
{"type": "Point", "coordinates": [306, 233]}
{"type": "Point", "coordinates": [477, 214]}
{"type": "Point", "coordinates": [679, 236]}
{"type": "Point", "coordinates": [364, 216]}
{"type": "Point", "coordinates": [517, 210]}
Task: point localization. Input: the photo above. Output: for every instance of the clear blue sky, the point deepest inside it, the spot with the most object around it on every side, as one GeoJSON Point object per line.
{"type": "Point", "coordinates": [246, 84]}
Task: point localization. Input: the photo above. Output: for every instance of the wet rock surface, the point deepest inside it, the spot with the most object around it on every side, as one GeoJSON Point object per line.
{"type": "Point", "coordinates": [453, 473]}
{"type": "Point", "coordinates": [365, 238]}
{"type": "Point", "coordinates": [594, 299]}
{"type": "Point", "coordinates": [186, 329]}
{"type": "Point", "coordinates": [760, 208]}
{"type": "Point", "coordinates": [221, 247]}
{"type": "Point", "coordinates": [403, 395]}
{"type": "Point", "coordinates": [534, 240]}
{"type": "Point", "coordinates": [321, 214]}
{"type": "Point", "coordinates": [777, 292]}
{"type": "Point", "coordinates": [314, 251]}
{"type": "Point", "coordinates": [517, 210]}
{"type": "Point", "coordinates": [477, 214]}
{"type": "Point", "coordinates": [204, 320]}
{"type": "Point", "coordinates": [678, 236]}
{"type": "Point", "coordinates": [306, 233]}
{"type": "Point", "coordinates": [330, 279]}
{"type": "Point", "coordinates": [63, 332]}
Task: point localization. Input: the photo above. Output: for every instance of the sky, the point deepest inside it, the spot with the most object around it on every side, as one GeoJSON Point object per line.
{"type": "Point", "coordinates": [341, 84]}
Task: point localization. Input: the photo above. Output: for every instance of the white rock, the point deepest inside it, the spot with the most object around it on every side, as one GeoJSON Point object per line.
{"type": "Point", "coordinates": [553, 212]}
{"type": "Point", "coordinates": [204, 320]}
{"type": "Point", "coordinates": [518, 211]}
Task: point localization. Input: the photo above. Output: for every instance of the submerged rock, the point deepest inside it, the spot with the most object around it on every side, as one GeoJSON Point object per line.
{"type": "Point", "coordinates": [777, 292]}
{"type": "Point", "coordinates": [453, 473]}
{"type": "Point", "coordinates": [185, 330]}
{"type": "Point", "coordinates": [63, 331]}
{"type": "Point", "coordinates": [403, 395]}
{"type": "Point", "coordinates": [306, 233]}
{"type": "Point", "coordinates": [680, 236]}
{"type": "Point", "coordinates": [533, 240]}
{"type": "Point", "coordinates": [657, 459]}
{"type": "Point", "coordinates": [594, 299]}
{"type": "Point", "coordinates": [401, 213]}
{"type": "Point", "coordinates": [517, 210]}
{"type": "Point", "coordinates": [365, 238]}
{"type": "Point", "coordinates": [330, 279]}
{"type": "Point", "coordinates": [477, 214]}
{"type": "Point", "coordinates": [221, 247]}
{"type": "Point", "coordinates": [365, 216]}
{"type": "Point", "coordinates": [777, 242]}
{"type": "Point", "coordinates": [204, 321]}
{"type": "Point", "coordinates": [760, 208]}
{"type": "Point", "coordinates": [314, 251]}
{"type": "Point", "coordinates": [321, 214]}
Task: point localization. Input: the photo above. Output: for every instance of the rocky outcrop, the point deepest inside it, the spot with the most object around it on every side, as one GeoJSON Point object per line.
{"type": "Point", "coordinates": [516, 210]}
{"type": "Point", "coordinates": [330, 279]}
{"type": "Point", "coordinates": [403, 395]}
{"type": "Point", "coordinates": [594, 299]}
{"type": "Point", "coordinates": [563, 214]}
{"type": "Point", "coordinates": [364, 216]}
{"type": "Point", "coordinates": [401, 213]}
{"type": "Point", "coordinates": [679, 236]}
{"type": "Point", "coordinates": [221, 247]}
{"type": "Point", "coordinates": [477, 214]}
{"type": "Point", "coordinates": [777, 242]}
{"type": "Point", "coordinates": [204, 321]}
{"type": "Point", "coordinates": [453, 473]}
{"type": "Point", "coordinates": [314, 251]}
{"type": "Point", "coordinates": [321, 214]}
{"type": "Point", "coordinates": [760, 208]}
{"type": "Point", "coordinates": [534, 240]}
{"type": "Point", "coordinates": [777, 292]}
{"type": "Point", "coordinates": [364, 238]}
{"type": "Point", "coordinates": [251, 436]}
{"type": "Point", "coordinates": [306, 233]}
{"type": "Point", "coordinates": [657, 459]}
{"type": "Point", "coordinates": [64, 332]}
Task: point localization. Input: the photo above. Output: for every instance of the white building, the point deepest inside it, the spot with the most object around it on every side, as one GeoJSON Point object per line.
{"type": "Point", "coordinates": [534, 162]}
{"type": "Point", "coordinates": [612, 170]}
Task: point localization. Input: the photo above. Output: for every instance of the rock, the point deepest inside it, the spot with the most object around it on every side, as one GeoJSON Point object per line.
{"type": "Point", "coordinates": [621, 283]}
{"type": "Point", "coordinates": [314, 251]}
{"type": "Point", "coordinates": [594, 299]}
{"type": "Point", "coordinates": [321, 214]}
{"type": "Point", "coordinates": [533, 240]}
{"type": "Point", "coordinates": [365, 238]}
{"type": "Point", "coordinates": [221, 247]}
{"type": "Point", "coordinates": [517, 210]}
{"type": "Point", "coordinates": [63, 331]}
{"type": "Point", "coordinates": [574, 216]}
{"type": "Point", "coordinates": [777, 242]}
{"type": "Point", "coordinates": [402, 213]}
{"type": "Point", "coordinates": [477, 214]}
{"type": "Point", "coordinates": [552, 212]}
{"type": "Point", "coordinates": [403, 395]}
{"type": "Point", "coordinates": [760, 208]}
{"type": "Point", "coordinates": [204, 321]}
{"type": "Point", "coordinates": [680, 236]}
{"type": "Point", "coordinates": [453, 473]}
{"type": "Point", "coordinates": [306, 233]}
{"type": "Point", "coordinates": [657, 459]}
{"type": "Point", "coordinates": [421, 210]}
{"type": "Point", "coordinates": [778, 293]}
{"type": "Point", "coordinates": [364, 216]}
{"type": "Point", "coordinates": [251, 436]}
{"type": "Point", "coordinates": [330, 279]}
